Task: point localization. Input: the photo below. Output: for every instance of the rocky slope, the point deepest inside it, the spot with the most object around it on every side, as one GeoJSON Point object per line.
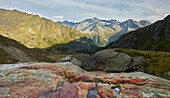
{"type": "Point", "coordinates": [103, 32]}
{"type": "Point", "coordinates": [83, 43]}
{"type": "Point", "coordinates": [58, 80]}
{"type": "Point", "coordinates": [12, 51]}
{"type": "Point", "coordinates": [35, 31]}
{"type": "Point", "coordinates": [154, 37]}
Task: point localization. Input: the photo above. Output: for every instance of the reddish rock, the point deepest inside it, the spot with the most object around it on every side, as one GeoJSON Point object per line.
{"type": "Point", "coordinates": [84, 78]}
{"type": "Point", "coordinates": [32, 91]}
{"type": "Point", "coordinates": [75, 90]}
{"type": "Point", "coordinates": [27, 83]}
{"type": "Point", "coordinates": [132, 81]}
{"type": "Point", "coordinates": [129, 92]}
{"type": "Point", "coordinates": [59, 70]}
{"type": "Point", "coordinates": [3, 83]}
{"type": "Point", "coordinates": [130, 86]}
{"type": "Point", "coordinates": [136, 81]}
{"type": "Point", "coordinates": [80, 90]}
{"type": "Point", "coordinates": [104, 92]}
{"type": "Point", "coordinates": [60, 80]}
{"type": "Point", "coordinates": [91, 85]}
{"type": "Point", "coordinates": [70, 74]}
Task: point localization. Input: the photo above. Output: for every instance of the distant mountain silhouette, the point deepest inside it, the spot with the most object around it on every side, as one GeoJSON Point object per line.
{"type": "Point", "coordinates": [103, 32]}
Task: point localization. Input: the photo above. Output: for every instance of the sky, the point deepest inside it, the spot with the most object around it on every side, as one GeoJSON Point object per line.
{"type": "Point", "coordinates": [78, 10]}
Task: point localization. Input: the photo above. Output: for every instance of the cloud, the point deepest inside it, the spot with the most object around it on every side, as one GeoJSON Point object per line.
{"type": "Point", "coordinates": [78, 10]}
{"type": "Point", "coordinates": [29, 12]}
{"type": "Point", "coordinates": [166, 15]}
{"type": "Point", "coordinates": [33, 13]}
{"type": "Point", "coordinates": [1, 2]}
{"type": "Point", "coordinates": [153, 18]}
{"type": "Point", "coordinates": [58, 17]}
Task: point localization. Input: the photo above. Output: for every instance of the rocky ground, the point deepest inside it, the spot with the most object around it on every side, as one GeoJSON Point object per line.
{"type": "Point", "coordinates": [66, 80]}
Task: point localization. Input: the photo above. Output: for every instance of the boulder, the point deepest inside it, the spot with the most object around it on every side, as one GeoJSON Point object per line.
{"type": "Point", "coordinates": [111, 61]}
{"type": "Point", "coordinates": [65, 59]}
{"type": "Point", "coordinates": [76, 62]}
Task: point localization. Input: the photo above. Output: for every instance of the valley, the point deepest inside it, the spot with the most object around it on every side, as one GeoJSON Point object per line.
{"type": "Point", "coordinates": [94, 58]}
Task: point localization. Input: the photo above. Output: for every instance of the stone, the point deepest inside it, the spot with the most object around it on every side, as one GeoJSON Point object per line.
{"type": "Point", "coordinates": [92, 94]}
{"type": "Point", "coordinates": [64, 79]}
{"type": "Point", "coordinates": [110, 61]}
{"type": "Point", "coordinates": [167, 73]}
{"type": "Point", "coordinates": [63, 69]}
{"type": "Point", "coordinates": [65, 59]}
{"type": "Point", "coordinates": [29, 83]}
{"type": "Point", "coordinates": [76, 62]}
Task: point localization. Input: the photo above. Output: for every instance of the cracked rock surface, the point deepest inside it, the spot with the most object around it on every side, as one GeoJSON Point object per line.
{"type": "Point", "coordinates": [66, 80]}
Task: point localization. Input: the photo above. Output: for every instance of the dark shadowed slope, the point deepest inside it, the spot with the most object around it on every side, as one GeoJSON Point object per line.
{"type": "Point", "coordinates": [69, 48]}
{"type": "Point", "coordinates": [12, 51]}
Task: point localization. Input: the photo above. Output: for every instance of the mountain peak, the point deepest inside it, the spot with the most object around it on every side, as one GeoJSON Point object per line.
{"type": "Point", "coordinates": [144, 22]}
{"type": "Point", "coordinates": [113, 20]}
{"type": "Point", "coordinates": [99, 29]}
{"type": "Point", "coordinates": [65, 21]}
{"type": "Point", "coordinates": [130, 20]}
{"type": "Point", "coordinates": [95, 18]}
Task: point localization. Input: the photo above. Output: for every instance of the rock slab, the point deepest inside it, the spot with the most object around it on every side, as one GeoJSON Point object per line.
{"type": "Point", "coordinates": [64, 79]}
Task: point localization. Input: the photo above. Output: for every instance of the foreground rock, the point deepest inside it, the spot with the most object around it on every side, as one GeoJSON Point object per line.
{"type": "Point", "coordinates": [58, 80]}
{"type": "Point", "coordinates": [111, 61]}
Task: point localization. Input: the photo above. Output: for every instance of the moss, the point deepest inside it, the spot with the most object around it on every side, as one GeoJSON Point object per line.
{"type": "Point", "coordinates": [157, 62]}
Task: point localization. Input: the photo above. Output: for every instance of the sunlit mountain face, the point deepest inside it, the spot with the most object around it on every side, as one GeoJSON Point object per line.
{"type": "Point", "coordinates": [103, 32]}
{"type": "Point", "coordinates": [35, 31]}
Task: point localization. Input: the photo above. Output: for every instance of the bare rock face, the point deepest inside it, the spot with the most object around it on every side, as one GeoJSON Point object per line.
{"type": "Point", "coordinates": [103, 32]}
{"type": "Point", "coordinates": [153, 37]}
{"type": "Point", "coordinates": [111, 61]}
{"type": "Point", "coordinates": [64, 79]}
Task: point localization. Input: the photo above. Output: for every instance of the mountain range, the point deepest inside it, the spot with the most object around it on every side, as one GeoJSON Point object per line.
{"type": "Point", "coordinates": [80, 69]}
{"type": "Point", "coordinates": [103, 32]}
{"type": "Point", "coordinates": [34, 31]}
{"type": "Point", "coordinates": [154, 37]}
